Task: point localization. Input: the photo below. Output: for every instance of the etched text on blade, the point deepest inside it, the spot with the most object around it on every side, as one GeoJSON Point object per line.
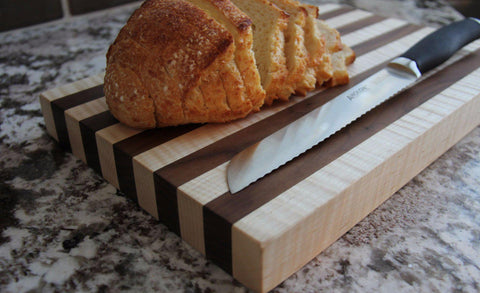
{"type": "Point", "coordinates": [289, 142]}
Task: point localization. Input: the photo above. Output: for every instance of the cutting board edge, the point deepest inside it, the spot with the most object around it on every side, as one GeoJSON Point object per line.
{"type": "Point", "coordinates": [255, 259]}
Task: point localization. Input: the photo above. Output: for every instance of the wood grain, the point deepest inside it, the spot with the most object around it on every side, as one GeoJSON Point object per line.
{"type": "Point", "coordinates": [266, 232]}
{"type": "Point", "coordinates": [334, 191]}
{"type": "Point", "coordinates": [73, 118]}
{"type": "Point", "coordinates": [333, 10]}
{"type": "Point", "coordinates": [106, 138]}
{"type": "Point", "coordinates": [46, 99]}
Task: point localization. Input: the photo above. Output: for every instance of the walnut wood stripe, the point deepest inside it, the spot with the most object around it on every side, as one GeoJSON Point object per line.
{"type": "Point", "coordinates": [221, 213]}
{"type": "Point", "coordinates": [385, 39]}
{"type": "Point", "coordinates": [335, 13]}
{"type": "Point", "coordinates": [125, 150]}
{"type": "Point", "coordinates": [88, 128]}
{"type": "Point", "coordinates": [47, 97]}
{"type": "Point", "coordinates": [72, 118]}
{"type": "Point", "coordinates": [347, 18]}
{"type": "Point", "coordinates": [169, 178]}
{"type": "Point", "coordinates": [106, 139]}
{"type": "Point", "coordinates": [346, 29]}
{"type": "Point", "coordinates": [372, 31]}
{"type": "Point", "coordinates": [324, 8]}
{"type": "Point", "coordinates": [328, 203]}
{"type": "Point", "coordinates": [59, 107]}
{"type": "Point", "coordinates": [193, 165]}
{"type": "Point", "coordinates": [217, 227]}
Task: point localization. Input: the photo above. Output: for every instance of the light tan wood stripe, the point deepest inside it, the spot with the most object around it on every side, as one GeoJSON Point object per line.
{"type": "Point", "coordinates": [47, 97]}
{"type": "Point", "coordinates": [59, 92]}
{"type": "Point", "coordinates": [48, 117]}
{"type": "Point", "coordinates": [387, 52]}
{"type": "Point", "coordinates": [372, 31]}
{"type": "Point", "coordinates": [347, 18]}
{"type": "Point", "coordinates": [329, 7]}
{"type": "Point", "coordinates": [71, 88]}
{"type": "Point", "coordinates": [146, 163]}
{"type": "Point", "coordinates": [106, 138]}
{"type": "Point", "coordinates": [193, 194]}
{"type": "Point", "coordinates": [309, 206]}
{"type": "Point", "coordinates": [191, 198]}
{"type": "Point", "coordinates": [72, 118]}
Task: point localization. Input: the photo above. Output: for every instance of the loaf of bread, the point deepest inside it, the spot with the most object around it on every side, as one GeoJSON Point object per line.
{"type": "Point", "coordinates": [198, 61]}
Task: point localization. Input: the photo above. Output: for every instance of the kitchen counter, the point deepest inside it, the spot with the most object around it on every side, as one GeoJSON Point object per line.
{"type": "Point", "coordinates": [64, 228]}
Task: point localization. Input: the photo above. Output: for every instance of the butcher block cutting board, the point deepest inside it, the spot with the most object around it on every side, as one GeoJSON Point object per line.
{"type": "Point", "coordinates": [269, 230]}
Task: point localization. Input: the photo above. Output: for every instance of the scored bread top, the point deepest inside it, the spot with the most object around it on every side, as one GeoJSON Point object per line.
{"type": "Point", "coordinates": [165, 47]}
{"type": "Point", "coordinates": [240, 26]}
{"type": "Point", "coordinates": [197, 61]}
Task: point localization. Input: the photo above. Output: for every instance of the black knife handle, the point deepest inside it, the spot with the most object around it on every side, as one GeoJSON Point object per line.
{"type": "Point", "coordinates": [440, 45]}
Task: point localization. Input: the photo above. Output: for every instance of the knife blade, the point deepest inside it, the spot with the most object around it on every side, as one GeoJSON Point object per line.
{"type": "Point", "coordinates": [289, 142]}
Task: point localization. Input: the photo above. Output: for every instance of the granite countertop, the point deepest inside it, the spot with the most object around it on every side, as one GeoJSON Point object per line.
{"type": "Point", "coordinates": [64, 228]}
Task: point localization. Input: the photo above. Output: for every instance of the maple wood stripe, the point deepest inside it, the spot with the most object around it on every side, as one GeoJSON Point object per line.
{"type": "Point", "coordinates": [217, 228]}
{"type": "Point", "coordinates": [221, 213]}
{"type": "Point", "coordinates": [346, 29]}
{"type": "Point", "coordinates": [170, 177]}
{"type": "Point", "coordinates": [125, 150]}
{"type": "Point", "coordinates": [385, 39]}
{"type": "Point", "coordinates": [88, 127]}
{"type": "Point", "coordinates": [335, 13]}
{"type": "Point", "coordinates": [59, 106]}
{"type": "Point", "coordinates": [199, 162]}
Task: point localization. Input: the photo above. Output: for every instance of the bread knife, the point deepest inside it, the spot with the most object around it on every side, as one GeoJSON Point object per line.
{"type": "Point", "coordinates": [299, 136]}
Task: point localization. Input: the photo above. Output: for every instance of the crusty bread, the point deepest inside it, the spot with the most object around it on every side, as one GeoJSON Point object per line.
{"type": "Point", "coordinates": [299, 79]}
{"type": "Point", "coordinates": [240, 26]}
{"type": "Point", "coordinates": [198, 61]}
{"type": "Point", "coordinates": [339, 54]}
{"type": "Point", "coordinates": [269, 24]}
{"type": "Point", "coordinates": [169, 65]}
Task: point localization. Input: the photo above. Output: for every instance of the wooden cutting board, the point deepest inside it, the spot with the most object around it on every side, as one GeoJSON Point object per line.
{"type": "Point", "coordinates": [272, 228]}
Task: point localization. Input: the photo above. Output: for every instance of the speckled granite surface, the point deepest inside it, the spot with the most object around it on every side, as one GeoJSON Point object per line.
{"type": "Point", "coordinates": [63, 228]}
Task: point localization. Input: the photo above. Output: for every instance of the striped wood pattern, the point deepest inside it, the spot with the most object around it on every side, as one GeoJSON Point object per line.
{"type": "Point", "coordinates": [272, 228]}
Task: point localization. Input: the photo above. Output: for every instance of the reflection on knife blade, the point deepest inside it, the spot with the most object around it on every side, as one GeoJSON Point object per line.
{"type": "Point", "coordinates": [304, 133]}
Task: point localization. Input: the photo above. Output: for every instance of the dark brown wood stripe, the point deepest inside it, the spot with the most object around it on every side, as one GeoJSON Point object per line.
{"type": "Point", "coordinates": [59, 107]}
{"type": "Point", "coordinates": [169, 178]}
{"type": "Point", "coordinates": [385, 39]}
{"type": "Point", "coordinates": [205, 159]}
{"type": "Point", "coordinates": [334, 13]}
{"type": "Point", "coordinates": [217, 228]}
{"type": "Point", "coordinates": [125, 150]}
{"type": "Point", "coordinates": [167, 204]}
{"type": "Point", "coordinates": [88, 128]}
{"type": "Point", "coordinates": [346, 29]}
{"type": "Point", "coordinates": [221, 213]}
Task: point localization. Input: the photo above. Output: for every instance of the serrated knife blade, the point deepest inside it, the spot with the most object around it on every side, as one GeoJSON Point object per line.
{"type": "Point", "coordinates": [299, 136]}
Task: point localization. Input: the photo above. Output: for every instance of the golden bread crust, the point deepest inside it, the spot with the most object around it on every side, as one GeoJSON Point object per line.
{"type": "Point", "coordinates": [241, 21]}
{"type": "Point", "coordinates": [173, 47]}
{"type": "Point", "coordinates": [240, 25]}
{"type": "Point", "coordinates": [198, 61]}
